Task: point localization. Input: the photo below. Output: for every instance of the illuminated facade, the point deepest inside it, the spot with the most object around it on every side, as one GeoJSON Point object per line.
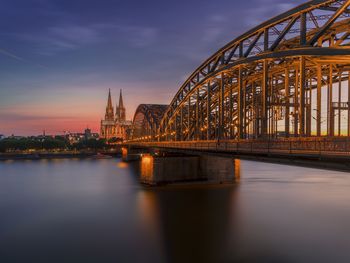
{"type": "Point", "coordinates": [122, 126]}
{"type": "Point", "coordinates": [115, 126]}
{"type": "Point", "coordinates": [108, 124]}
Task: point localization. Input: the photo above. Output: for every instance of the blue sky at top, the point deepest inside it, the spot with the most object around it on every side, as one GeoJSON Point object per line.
{"type": "Point", "coordinates": [58, 57]}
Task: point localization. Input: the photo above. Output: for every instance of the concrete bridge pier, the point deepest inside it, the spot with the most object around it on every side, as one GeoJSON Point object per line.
{"type": "Point", "coordinates": [219, 169]}
{"type": "Point", "coordinates": [159, 170]}
{"type": "Point", "coordinates": [131, 154]}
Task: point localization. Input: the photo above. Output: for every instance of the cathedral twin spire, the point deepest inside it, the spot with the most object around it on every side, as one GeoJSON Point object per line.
{"type": "Point", "coordinates": [115, 125]}
{"type": "Point", "coordinates": [109, 116]}
{"type": "Point", "coordinates": [121, 104]}
{"type": "Point", "coordinates": [120, 114]}
{"type": "Point", "coordinates": [120, 110]}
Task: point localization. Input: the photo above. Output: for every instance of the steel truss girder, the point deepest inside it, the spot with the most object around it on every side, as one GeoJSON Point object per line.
{"type": "Point", "coordinates": [232, 104]}
{"type": "Point", "coordinates": [146, 121]}
{"type": "Point", "coordinates": [272, 70]}
{"type": "Point", "coordinates": [221, 58]}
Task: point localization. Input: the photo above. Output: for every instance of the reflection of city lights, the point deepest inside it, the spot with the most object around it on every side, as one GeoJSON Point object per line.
{"type": "Point", "coordinates": [122, 165]}
{"type": "Point", "coordinates": [237, 170]}
{"type": "Point", "coordinates": [124, 153]}
{"type": "Point", "coordinates": [146, 168]}
{"type": "Point", "coordinates": [148, 210]}
{"type": "Point", "coordinates": [147, 159]}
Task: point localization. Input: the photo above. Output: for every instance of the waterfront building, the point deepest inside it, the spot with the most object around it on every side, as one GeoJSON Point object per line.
{"type": "Point", "coordinates": [115, 126]}
{"type": "Point", "coordinates": [87, 134]}
{"type": "Point", "coordinates": [122, 126]}
{"type": "Point", "coordinates": [79, 137]}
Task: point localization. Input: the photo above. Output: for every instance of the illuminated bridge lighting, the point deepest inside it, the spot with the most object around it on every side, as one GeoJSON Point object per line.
{"type": "Point", "coordinates": [286, 79]}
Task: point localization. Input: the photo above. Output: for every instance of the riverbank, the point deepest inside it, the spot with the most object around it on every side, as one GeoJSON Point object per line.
{"type": "Point", "coordinates": [55, 155]}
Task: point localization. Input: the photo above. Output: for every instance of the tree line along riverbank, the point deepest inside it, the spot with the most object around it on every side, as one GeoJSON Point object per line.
{"type": "Point", "coordinates": [13, 145]}
{"type": "Point", "coordinates": [53, 147]}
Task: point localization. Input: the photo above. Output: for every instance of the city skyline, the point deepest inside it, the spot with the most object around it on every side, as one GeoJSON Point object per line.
{"type": "Point", "coordinates": [58, 60]}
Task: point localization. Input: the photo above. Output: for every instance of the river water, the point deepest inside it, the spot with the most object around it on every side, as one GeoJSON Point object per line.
{"type": "Point", "coordinates": [96, 211]}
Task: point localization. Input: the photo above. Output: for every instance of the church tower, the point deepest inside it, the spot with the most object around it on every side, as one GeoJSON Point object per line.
{"type": "Point", "coordinates": [109, 109]}
{"type": "Point", "coordinates": [120, 113]}
{"type": "Point", "coordinates": [108, 124]}
{"type": "Point", "coordinates": [115, 126]}
{"type": "Point", "coordinates": [122, 126]}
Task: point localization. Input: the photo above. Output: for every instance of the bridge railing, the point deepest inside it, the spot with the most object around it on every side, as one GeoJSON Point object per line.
{"type": "Point", "coordinates": [319, 145]}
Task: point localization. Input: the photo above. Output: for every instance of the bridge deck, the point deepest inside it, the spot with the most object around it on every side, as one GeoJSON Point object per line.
{"type": "Point", "coordinates": [301, 147]}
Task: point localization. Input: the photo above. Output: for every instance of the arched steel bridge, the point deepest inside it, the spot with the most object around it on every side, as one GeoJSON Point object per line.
{"type": "Point", "coordinates": [286, 79]}
{"type": "Point", "coordinates": [146, 120]}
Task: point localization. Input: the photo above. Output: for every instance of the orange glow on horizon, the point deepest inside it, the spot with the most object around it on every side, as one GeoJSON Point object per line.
{"type": "Point", "coordinates": [54, 126]}
{"type": "Point", "coordinates": [63, 112]}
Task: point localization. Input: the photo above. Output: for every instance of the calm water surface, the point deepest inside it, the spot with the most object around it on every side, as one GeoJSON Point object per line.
{"type": "Point", "coordinates": [96, 211]}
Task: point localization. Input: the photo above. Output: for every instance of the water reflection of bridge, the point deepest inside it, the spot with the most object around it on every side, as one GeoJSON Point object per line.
{"type": "Point", "coordinates": [282, 87]}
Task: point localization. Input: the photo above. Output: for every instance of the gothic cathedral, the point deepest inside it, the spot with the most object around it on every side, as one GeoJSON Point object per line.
{"type": "Point", "coordinates": [115, 126]}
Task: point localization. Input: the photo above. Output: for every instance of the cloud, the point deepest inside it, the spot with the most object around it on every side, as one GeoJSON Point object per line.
{"type": "Point", "coordinates": [283, 7]}
{"type": "Point", "coordinates": [11, 55]}
{"type": "Point", "coordinates": [212, 34]}
{"type": "Point", "coordinates": [218, 18]}
{"type": "Point", "coordinates": [266, 9]}
{"type": "Point", "coordinates": [62, 38]}
{"type": "Point", "coordinates": [141, 36]}
{"type": "Point", "coordinates": [134, 35]}
{"type": "Point", "coordinates": [73, 34]}
{"type": "Point", "coordinates": [18, 58]}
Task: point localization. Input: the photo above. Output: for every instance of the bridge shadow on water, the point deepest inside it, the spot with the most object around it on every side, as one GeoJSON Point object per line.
{"type": "Point", "coordinates": [197, 223]}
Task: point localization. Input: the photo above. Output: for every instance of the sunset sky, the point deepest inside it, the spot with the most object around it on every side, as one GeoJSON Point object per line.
{"type": "Point", "coordinates": [58, 58]}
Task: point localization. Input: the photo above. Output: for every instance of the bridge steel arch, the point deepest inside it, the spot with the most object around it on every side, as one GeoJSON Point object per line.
{"type": "Point", "coordinates": [146, 122]}
{"type": "Point", "coordinates": [287, 77]}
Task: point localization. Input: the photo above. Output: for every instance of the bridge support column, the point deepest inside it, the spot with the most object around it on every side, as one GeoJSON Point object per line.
{"type": "Point", "coordinates": [330, 102]}
{"type": "Point", "coordinates": [232, 130]}
{"type": "Point", "coordinates": [241, 114]}
{"type": "Point", "coordinates": [181, 124]}
{"type": "Point", "coordinates": [129, 154]}
{"type": "Point", "coordinates": [264, 99]}
{"type": "Point", "coordinates": [197, 132]}
{"type": "Point", "coordinates": [340, 73]}
{"type": "Point", "coordinates": [287, 96]}
{"type": "Point", "coordinates": [222, 108]}
{"type": "Point", "coordinates": [189, 120]}
{"type": "Point", "coordinates": [319, 97]}
{"type": "Point", "coordinates": [208, 112]}
{"type": "Point", "coordinates": [296, 103]}
{"type": "Point", "coordinates": [176, 128]}
{"type": "Point", "coordinates": [302, 96]}
{"type": "Point", "coordinates": [157, 170]}
{"type": "Point", "coordinates": [349, 103]}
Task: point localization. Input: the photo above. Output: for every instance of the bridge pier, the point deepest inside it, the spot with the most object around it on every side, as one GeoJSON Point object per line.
{"type": "Point", "coordinates": [159, 170]}
{"type": "Point", "coordinates": [130, 154]}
